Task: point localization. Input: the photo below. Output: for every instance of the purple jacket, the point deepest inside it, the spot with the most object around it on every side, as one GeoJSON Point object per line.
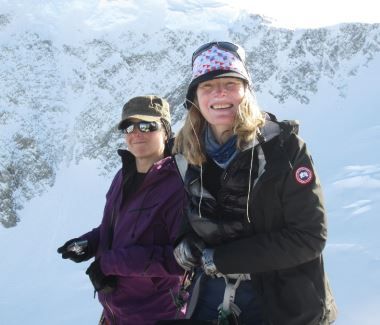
{"type": "Point", "coordinates": [142, 253]}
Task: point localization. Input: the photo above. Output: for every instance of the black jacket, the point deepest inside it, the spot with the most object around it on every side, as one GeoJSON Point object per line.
{"type": "Point", "coordinates": [278, 237]}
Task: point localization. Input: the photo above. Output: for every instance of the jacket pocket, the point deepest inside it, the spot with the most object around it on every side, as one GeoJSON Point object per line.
{"type": "Point", "coordinates": [142, 218]}
{"type": "Point", "coordinates": [291, 298]}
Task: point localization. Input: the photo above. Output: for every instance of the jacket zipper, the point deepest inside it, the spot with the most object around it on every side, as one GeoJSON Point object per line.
{"type": "Point", "coordinates": [111, 230]}
{"type": "Point", "coordinates": [110, 310]}
{"type": "Point", "coordinates": [227, 172]}
{"type": "Point", "coordinates": [228, 169]}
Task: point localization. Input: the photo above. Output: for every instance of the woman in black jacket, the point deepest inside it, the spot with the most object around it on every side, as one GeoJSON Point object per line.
{"type": "Point", "coordinates": [255, 219]}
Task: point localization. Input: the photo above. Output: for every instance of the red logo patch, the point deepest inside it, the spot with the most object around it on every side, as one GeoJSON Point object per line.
{"type": "Point", "coordinates": [303, 175]}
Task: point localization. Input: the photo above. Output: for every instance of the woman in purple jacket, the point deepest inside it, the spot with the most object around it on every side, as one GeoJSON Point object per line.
{"type": "Point", "coordinates": [134, 271]}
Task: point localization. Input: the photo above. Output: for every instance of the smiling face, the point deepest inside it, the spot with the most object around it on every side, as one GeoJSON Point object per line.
{"type": "Point", "coordinates": [219, 101]}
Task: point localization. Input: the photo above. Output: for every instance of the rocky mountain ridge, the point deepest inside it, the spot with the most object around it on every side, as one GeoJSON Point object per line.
{"type": "Point", "coordinates": [60, 101]}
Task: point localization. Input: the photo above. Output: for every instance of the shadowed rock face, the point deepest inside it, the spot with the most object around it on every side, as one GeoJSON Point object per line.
{"type": "Point", "coordinates": [60, 103]}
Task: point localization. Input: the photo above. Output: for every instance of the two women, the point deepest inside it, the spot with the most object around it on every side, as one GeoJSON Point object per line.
{"type": "Point", "coordinates": [134, 272]}
{"type": "Point", "coordinates": [255, 219]}
{"type": "Point", "coordinates": [255, 223]}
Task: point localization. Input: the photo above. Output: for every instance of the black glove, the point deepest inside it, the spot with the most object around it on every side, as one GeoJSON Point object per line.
{"type": "Point", "coordinates": [75, 249]}
{"type": "Point", "coordinates": [101, 282]}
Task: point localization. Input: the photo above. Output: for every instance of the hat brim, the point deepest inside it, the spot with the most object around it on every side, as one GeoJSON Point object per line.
{"type": "Point", "coordinates": [231, 74]}
{"type": "Point", "coordinates": [148, 118]}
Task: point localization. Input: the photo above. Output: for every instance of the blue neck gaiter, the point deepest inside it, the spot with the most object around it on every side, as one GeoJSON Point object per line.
{"type": "Point", "coordinates": [222, 154]}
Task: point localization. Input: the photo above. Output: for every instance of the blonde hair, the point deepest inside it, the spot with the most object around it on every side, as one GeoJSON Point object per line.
{"type": "Point", "coordinates": [189, 141]}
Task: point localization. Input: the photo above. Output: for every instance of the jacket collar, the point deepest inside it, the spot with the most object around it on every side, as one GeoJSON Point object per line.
{"type": "Point", "coordinates": [129, 165]}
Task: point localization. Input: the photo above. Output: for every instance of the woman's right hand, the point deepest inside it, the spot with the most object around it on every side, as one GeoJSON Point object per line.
{"type": "Point", "coordinates": [75, 249]}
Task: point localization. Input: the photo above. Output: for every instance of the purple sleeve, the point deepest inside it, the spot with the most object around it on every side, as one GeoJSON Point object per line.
{"type": "Point", "coordinates": [93, 236]}
{"type": "Point", "coordinates": [93, 239]}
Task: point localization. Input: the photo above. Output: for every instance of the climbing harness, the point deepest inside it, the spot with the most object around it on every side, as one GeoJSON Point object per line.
{"type": "Point", "coordinates": [228, 311]}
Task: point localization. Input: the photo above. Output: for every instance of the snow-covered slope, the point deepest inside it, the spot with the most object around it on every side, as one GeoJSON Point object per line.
{"type": "Point", "coordinates": [61, 96]}
{"type": "Point", "coordinates": [66, 69]}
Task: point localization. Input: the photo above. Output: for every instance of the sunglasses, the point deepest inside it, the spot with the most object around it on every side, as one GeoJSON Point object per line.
{"type": "Point", "coordinates": [227, 46]}
{"type": "Point", "coordinates": [143, 126]}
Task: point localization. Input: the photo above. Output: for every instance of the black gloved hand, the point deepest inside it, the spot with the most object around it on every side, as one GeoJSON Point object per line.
{"type": "Point", "coordinates": [100, 281]}
{"type": "Point", "coordinates": [75, 249]}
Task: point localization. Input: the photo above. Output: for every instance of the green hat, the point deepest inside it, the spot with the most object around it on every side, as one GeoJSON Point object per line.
{"type": "Point", "coordinates": [147, 108]}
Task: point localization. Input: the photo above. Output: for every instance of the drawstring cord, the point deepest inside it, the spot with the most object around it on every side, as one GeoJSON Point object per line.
{"type": "Point", "coordinates": [249, 184]}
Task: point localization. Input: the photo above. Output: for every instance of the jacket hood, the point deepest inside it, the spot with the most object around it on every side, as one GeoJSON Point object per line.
{"type": "Point", "coordinates": [273, 128]}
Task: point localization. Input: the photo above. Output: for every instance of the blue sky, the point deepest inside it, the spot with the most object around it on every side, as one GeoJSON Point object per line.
{"type": "Point", "coordinates": [307, 14]}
